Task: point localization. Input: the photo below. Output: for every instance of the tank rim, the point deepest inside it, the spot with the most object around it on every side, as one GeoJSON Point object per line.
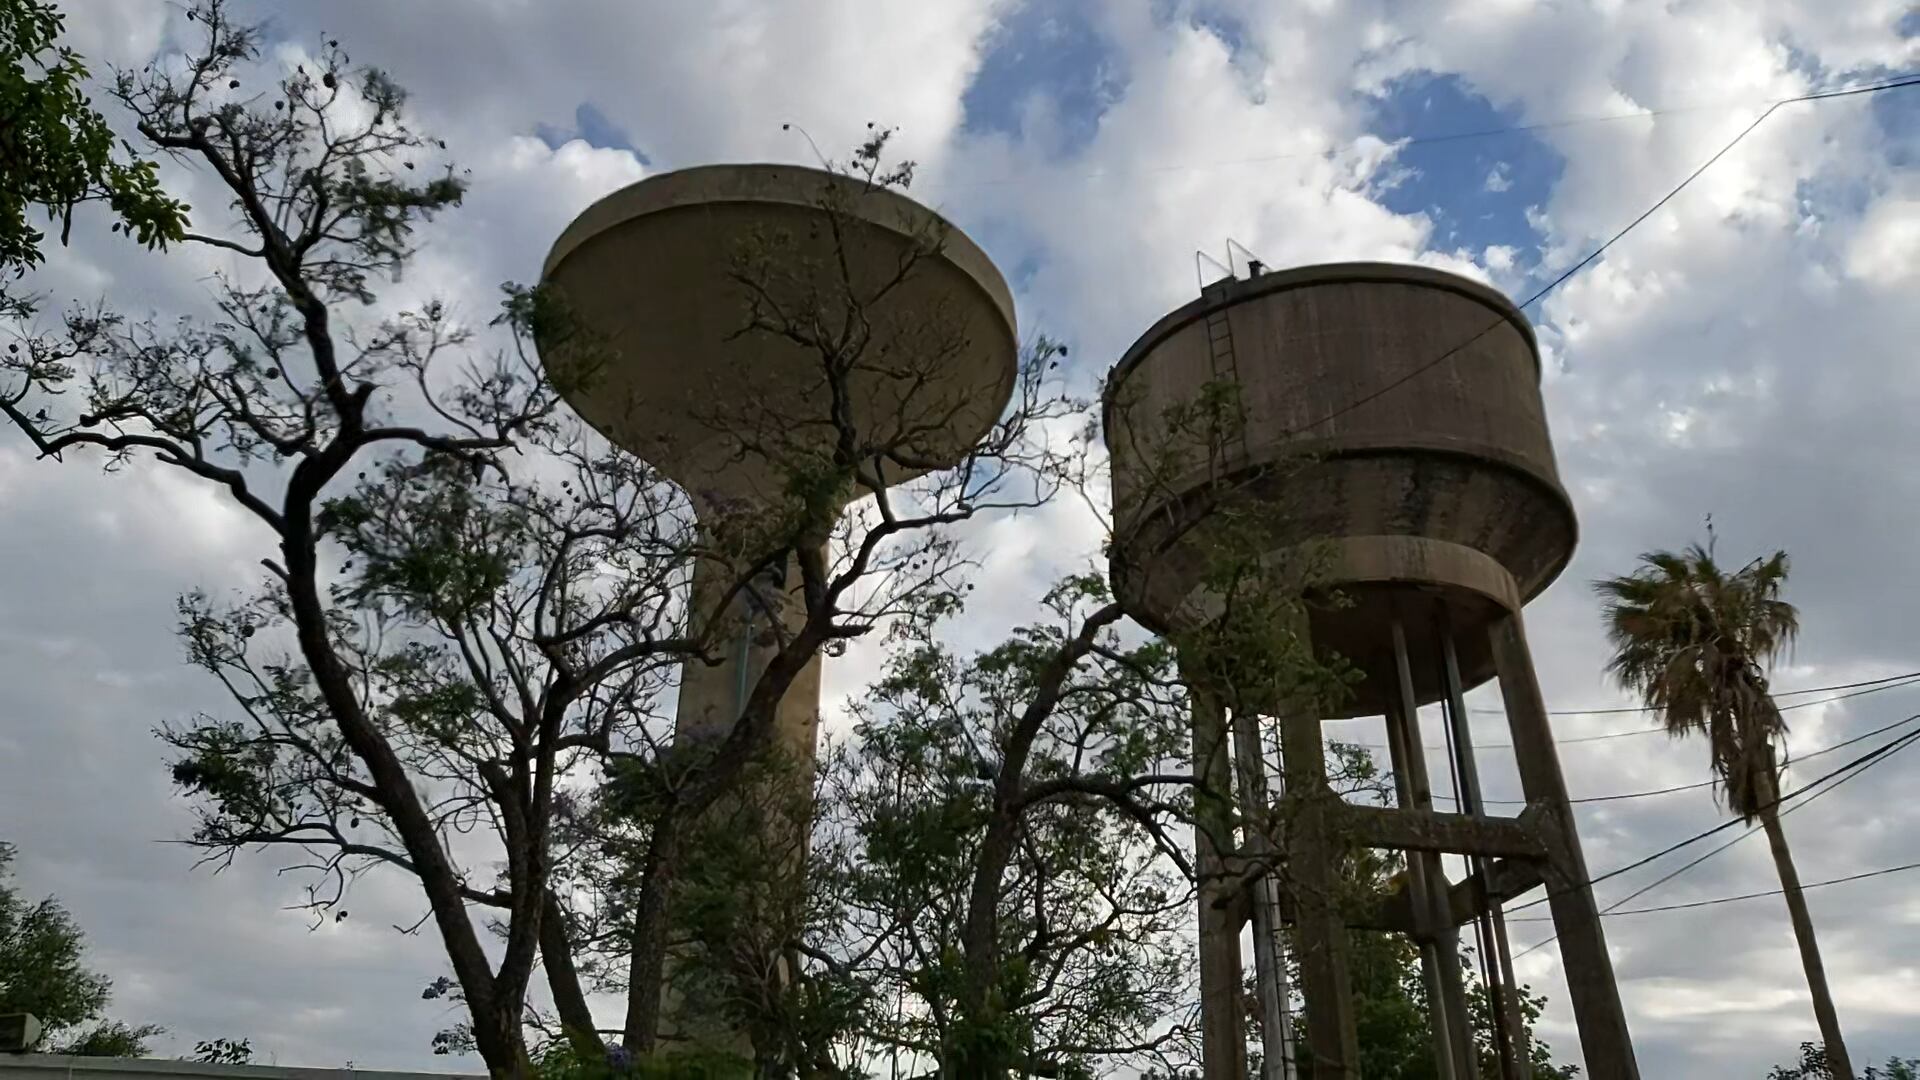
{"type": "Point", "coordinates": [678, 188]}
{"type": "Point", "coordinates": [692, 188]}
{"type": "Point", "coordinates": [1228, 293]}
{"type": "Point", "coordinates": [1126, 539]}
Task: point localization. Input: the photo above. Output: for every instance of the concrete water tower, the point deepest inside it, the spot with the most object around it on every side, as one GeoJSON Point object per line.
{"type": "Point", "coordinates": [1389, 419]}
{"type": "Point", "coordinates": [675, 281]}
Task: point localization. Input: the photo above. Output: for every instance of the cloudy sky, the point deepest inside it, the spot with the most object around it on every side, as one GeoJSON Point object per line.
{"type": "Point", "coordinates": [1748, 352]}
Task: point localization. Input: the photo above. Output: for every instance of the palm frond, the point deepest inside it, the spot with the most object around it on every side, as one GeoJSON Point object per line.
{"type": "Point", "coordinates": [1694, 643]}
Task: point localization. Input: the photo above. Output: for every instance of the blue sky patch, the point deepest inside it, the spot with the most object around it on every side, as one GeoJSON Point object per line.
{"type": "Point", "coordinates": [1897, 113]}
{"type": "Point", "coordinates": [1051, 49]}
{"type": "Point", "coordinates": [1476, 187]}
{"type": "Point", "coordinates": [592, 126]}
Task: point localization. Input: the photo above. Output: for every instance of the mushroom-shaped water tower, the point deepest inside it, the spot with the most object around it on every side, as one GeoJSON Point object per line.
{"type": "Point", "coordinates": [755, 327]}
{"type": "Point", "coordinates": [1390, 419]}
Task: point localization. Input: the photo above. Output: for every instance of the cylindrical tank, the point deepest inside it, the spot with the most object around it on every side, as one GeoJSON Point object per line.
{"type": "Point", "coordinates": [1390, 418]}
{"type": "Point", "coordinates": [684, 295]}
{"type": "Point", "coordinates": [669, 275]}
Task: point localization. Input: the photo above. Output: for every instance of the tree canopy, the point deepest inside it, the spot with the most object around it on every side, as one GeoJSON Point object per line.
{"type": "Point", "coordinates": [474, 613]}
{"type": "Point", "coordinates": [59, 151]}
{"type": "Point", "coordinates": [43, 972]}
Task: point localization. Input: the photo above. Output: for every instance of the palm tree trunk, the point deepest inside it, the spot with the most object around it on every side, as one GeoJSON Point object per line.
{"type": "Point", "coordinates": [1839, 1066]}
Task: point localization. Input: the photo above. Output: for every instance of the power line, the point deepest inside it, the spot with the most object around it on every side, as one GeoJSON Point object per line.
{"type": "Point", "coordinates": [1408, 377]}
{"type": "Point", "coordinates": [1861, 763]}
{"type": "Point", "coordinates": [1815, 797]}
{"type": "Point", "coordinates": [1777, 693]}
{"type": "Point", "coordinates": [1770, 892]}
{"type": "Point", "coordinates": [1862, 760]}
{"type": "Point", "coordinates": [1875, 686]}
{"type": "Point", "coordinates": [1808, 756]}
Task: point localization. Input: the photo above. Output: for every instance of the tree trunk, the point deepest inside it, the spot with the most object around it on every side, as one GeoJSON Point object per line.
{"type": "Point", "coordinates": [576, 1017]}
{"type": "Point", "coordinates": [646, 964]}
{"type": "Point", "coordinates": [502, 1043]}
{"type": "Point", "coordinates": [1838, 1064]}
{"type": "Point", "coordinates": [497, 1032]}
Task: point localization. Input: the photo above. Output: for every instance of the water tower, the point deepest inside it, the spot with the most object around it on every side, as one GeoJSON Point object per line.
{"type": "Point", "coordinates": [1388, 418]}
{"type": "Point", "coordinates": [682, 282]}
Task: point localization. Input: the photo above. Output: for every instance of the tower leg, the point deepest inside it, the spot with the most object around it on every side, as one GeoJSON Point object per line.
{"type": "Point", "coordinates": [772, 805]}
{"type": "Point", "coordinates": [1438, 910]}
{"type": "Point", "coordinates": [1583, 944]}
{"type": "Point", "coordinates": [1332, 1047]}
{"type": "Point", "coordinates": [1269, 953]}
{"type": "Point", "coordinates": [1420, 892]}
{"type": "Point", "coordinates": [1223, 1042]}
{"type": "Point", "coordinates": [1509, 1034]}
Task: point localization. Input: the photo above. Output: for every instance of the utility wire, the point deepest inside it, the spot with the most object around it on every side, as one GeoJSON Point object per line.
{"type": "Point", "coordinates": [1862, 760]}
{"type": "Point", "coordinates": [1395, 384]}
{"type": "Point", "coordinates": [1909, 679]}
{"type": "Point", "coordinates": [1861, 763]}
{"type": "Point", "coordinates": [1777, 693]}
{"type": "Point", "coordinates": [1659, 881]}
{"type": "Point", "coordinates": [1770, 892]}
{"type": "Point", "coordinates": [1808, 756]}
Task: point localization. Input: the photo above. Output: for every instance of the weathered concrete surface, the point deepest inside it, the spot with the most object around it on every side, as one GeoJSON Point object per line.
{"type": "Point", "coordinates": [658, 275]}
{"type": "Point", "coordinates": [661, 283]}
{"type": "Point", "coordinates": [1388, 421]}
{"type": "Point", "coordinates": [1390, 415]}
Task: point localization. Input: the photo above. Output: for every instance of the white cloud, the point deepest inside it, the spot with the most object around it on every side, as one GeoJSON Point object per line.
{"type": "Point", "coordinates": [1884, 252]}
{"type": "Point", "coordinates": [1768, 308]}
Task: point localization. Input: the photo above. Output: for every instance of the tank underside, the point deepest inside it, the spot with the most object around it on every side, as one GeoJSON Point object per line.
{"type": "Point", "coordinates": [1435, 502]}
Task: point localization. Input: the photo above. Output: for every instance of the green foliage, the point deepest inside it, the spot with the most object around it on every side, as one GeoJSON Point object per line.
{"type": "Point", "coordinates": [58, 151]}
{"type": "Point", "coordinates": [1390, 996]}
{"type": "Point", "coordinates": [1087, 912]}
{"type": "Point", "coordinates": [110, 1038]}
{"type": "Point", "coordinates": [1813, 1066]}
{"type": "Point", "coordinates": [41, 973]}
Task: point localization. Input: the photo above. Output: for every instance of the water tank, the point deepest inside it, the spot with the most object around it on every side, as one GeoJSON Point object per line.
{"type": "Point", "coordinates": [666, 278]}
{"type": "Point", "coordinates": [1424, 491]}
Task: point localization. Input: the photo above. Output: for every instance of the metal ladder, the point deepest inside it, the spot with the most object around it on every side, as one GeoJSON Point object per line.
{"type": "Point", "coordinates": [1222, 365]}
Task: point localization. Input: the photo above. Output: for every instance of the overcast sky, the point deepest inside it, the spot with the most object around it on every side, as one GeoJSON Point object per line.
{"type": "Point", "coordinates": [1747, 352]}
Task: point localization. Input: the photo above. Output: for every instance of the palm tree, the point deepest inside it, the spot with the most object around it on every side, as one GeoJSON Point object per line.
{"type": "Point", "coordinates": [1694, 642]}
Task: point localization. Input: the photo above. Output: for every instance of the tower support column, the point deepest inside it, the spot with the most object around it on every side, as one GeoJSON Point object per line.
{"type": "Point", "coordinates": [1331, 1049]}
{"type": "Point", "coordinates": [1433, 911]}
{"type": "Point", "coordinates": [1576, 919]}
{"type": "Point", "coordinates": [1223, 1043]}
{"type": "Point", "coordinates": [1269, 951]}
{"type": "Point", "coordinates": [771, 807]}
{"type": "Point", "coordinates": [1510, 1033]}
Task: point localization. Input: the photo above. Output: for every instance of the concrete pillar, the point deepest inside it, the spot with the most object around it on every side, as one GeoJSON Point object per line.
{"type": "Point", "coordinates": [1269, 946]}
{"type": "Point", "coordinates": [1509, 1033]}
{"type": "Point", "coordinates": [1439, 910]}
{"type": "Point", "coordinates": [776, 804]}
{"type": "Point", "coordinates": [1331, 1048]}
{"type": "Point", "coordinates": [1223, 1041]}
{"type": "Point", "coordinates": [1583, 944]}
{"type": "Point", "coordinates": [1420, 896]}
